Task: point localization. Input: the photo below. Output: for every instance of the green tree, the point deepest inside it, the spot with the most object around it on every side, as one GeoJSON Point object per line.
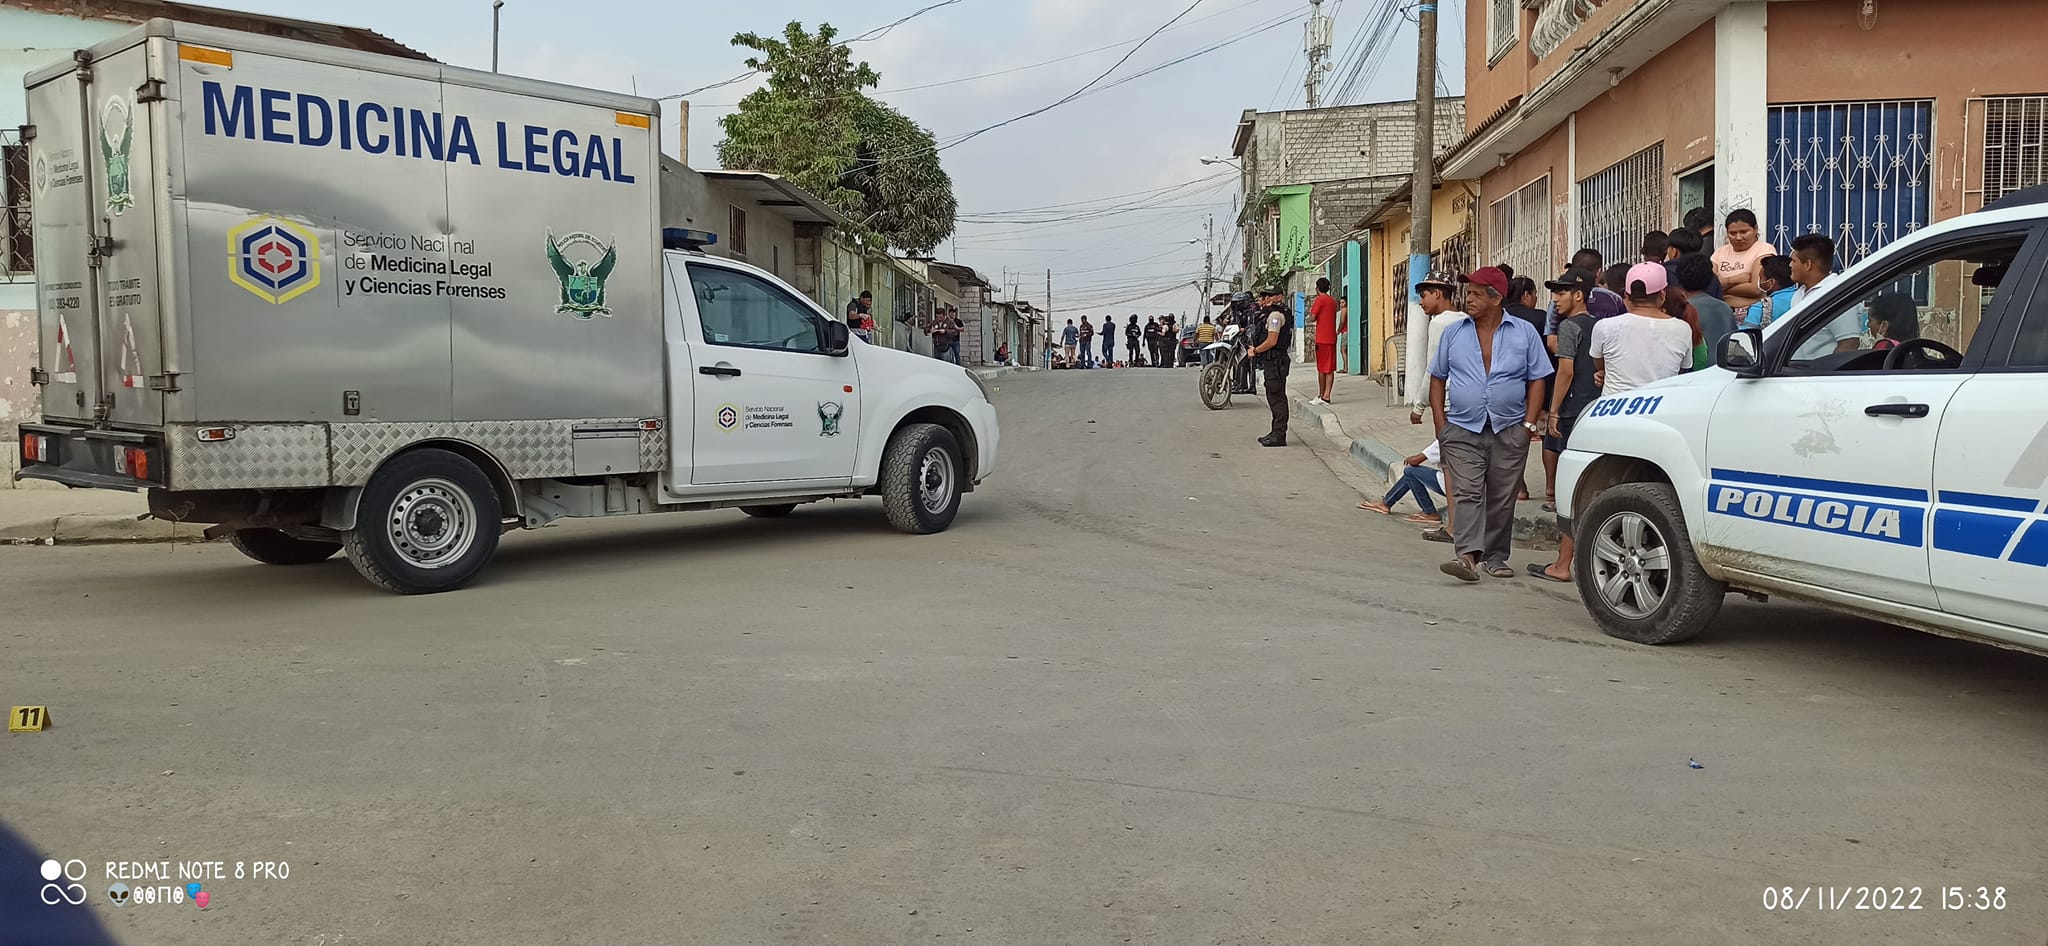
{"type": "Point", "coordinates": [814, 124]}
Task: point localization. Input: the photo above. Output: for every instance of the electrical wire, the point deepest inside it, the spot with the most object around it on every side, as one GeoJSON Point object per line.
{"type": "Point", "coordinates": [876, 33]}
{"type": "Point", "coordinates": [1077, 203]}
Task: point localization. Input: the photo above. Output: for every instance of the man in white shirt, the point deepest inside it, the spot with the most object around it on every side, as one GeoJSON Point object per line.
{"type": "Point", "coordinates": [1436, 294]}
{"type": "Point", "coordinates": [1813, 265]}
{"type": "Point", "coordinates": [1645, 343]}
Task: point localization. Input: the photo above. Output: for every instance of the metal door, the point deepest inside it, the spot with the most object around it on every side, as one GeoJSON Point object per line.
{"type": "Point", "coordinates": [1859, 172]}
{"type": "Point", "coordinates": [60, 167]}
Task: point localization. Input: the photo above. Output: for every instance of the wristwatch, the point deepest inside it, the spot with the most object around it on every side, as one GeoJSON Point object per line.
{"type": "Point", "coordinates": [1531, 425]}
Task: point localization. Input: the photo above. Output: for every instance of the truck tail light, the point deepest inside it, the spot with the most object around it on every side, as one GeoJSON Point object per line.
{"type": "Point", "coordinates": [35, 447]}
{"type": "Point", "coordinates": [133, 461]}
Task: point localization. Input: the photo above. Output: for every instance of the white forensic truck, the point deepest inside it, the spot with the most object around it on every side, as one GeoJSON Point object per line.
{"type": "Point", "coordinates": [1881, 450]}
{"type": "Point", "coordinates": [324, 300]}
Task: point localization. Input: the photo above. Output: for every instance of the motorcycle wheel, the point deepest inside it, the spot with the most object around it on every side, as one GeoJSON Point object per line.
{"type": "Point", "coordinates": [1215, 385]}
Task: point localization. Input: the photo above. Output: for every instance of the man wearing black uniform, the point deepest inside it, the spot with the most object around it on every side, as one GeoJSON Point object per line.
{"type": "Point", "coordinates": [1272, 340]}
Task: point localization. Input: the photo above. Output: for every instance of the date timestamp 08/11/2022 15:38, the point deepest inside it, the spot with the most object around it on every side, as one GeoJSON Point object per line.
{"type": "Point", "coordinates": [1882, 898]}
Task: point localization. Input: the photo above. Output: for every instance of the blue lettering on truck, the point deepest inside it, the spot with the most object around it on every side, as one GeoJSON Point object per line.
{"type": "Point", "coordinates": [1893, 514]}
{"type": "Point", "coordinates": [285, 117]}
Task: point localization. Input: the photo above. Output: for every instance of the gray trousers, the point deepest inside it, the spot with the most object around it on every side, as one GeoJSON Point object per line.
{"type": "Point", "coordinates": [1485, 474]}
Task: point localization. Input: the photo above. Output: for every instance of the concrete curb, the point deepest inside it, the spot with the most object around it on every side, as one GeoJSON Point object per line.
{"type": "Point", "coordinates": [96, 530]}
{"type": "Point", "coordinates": [1384, 462]}
{"type": "Point", "coordinates": [994, 372]}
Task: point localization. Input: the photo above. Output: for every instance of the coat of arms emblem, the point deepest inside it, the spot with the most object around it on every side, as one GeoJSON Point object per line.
{"type": "Point", "coordinates": [114, 152]}
{"type": "Point", "coordinates": [828, 418]}
{"type": "Point", "coordinates": [583, 273]}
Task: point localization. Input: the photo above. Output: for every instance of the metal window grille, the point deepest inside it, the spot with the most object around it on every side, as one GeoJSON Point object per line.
{"type": "Point", "coordinates": [1620, 204]}
{"type": "Point", "coordinates": [17, 231]}
{"type": "Point", "coordinates": [1859, 172]}
{"type": "Point", "coordinates": [1401, 288]}
{"type": "Point", "coordinates": [738, 243]}
{"type": "Point", "coordinates": [1521, 230]}
{"type": "Point", "coordinates": [1500, 28]}
{"type": "Point", "coordinates": [2015, 143]}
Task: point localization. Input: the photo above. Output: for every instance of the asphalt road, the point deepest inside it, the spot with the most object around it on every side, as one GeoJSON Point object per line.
{"type": "Point", "coordinates": [1157, 685]}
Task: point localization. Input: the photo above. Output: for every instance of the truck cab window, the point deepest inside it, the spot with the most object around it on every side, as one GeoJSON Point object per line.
{"type": "Point", "coordinates": [741, 310]}
{"type": "Point", "coordinates": [1931, 304]}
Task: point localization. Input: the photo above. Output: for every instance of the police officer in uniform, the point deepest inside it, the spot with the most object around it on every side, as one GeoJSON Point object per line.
{"type": "Point", "coordinates": [1272, 340]}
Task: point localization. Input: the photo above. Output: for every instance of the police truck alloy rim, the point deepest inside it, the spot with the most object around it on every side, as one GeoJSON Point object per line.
{"type": "Point", "coordinates": [1631, 565]}
{"type": "Point", "coordinates": [935, 480]}
{"type": "Point", "coordinates": [433, 523]}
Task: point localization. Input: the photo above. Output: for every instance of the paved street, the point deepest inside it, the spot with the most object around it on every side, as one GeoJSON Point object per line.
{"type": "Point", "coordinates": [1157, 685]}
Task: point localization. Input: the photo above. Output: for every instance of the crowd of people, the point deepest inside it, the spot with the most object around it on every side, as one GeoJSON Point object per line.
{"type": "Point", "coordinates": [1162, 341]}
{"type": "Point", "coordinates": [944, 326]}
{"type": "Point", "coordinates": [1505, 371]}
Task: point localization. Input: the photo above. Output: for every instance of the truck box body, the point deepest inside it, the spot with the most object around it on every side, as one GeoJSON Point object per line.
{"type": "Point", "coordinates": [333, 255]}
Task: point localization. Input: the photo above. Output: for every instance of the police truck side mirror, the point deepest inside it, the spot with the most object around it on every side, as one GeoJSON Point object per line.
{"type": "Point", "coordinates": [1738, 353]}
{"type": "Point", "coordinates": [837, 337]}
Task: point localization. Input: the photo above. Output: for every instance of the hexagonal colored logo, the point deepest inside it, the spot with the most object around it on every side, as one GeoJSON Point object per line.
{"type": "Point", "coordinates": [276, 259]}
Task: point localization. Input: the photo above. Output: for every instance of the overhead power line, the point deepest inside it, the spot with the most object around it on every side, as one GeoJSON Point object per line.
{"type": "Point", "coordinates": [873, 34]}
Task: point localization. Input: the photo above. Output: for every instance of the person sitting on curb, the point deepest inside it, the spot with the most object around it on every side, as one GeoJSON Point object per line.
{"type": "Point", "coordinates": [1419, 479]}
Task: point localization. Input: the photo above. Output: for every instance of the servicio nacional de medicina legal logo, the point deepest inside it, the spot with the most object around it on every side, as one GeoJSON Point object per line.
{"type": "Point", "coordinates": [117, 133]}
{"type": "Point", "coordinates": [582, 263]}
{"type": "Point", "coordinates": [273, 258]}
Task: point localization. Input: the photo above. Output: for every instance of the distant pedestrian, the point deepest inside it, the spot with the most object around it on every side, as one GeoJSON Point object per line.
{"type": "Point", "coordinates": [1774, 278]}
{"type": "Point", "coordinates": [1680, 243]}
{"type": "Point", "coordinates": [1638, 347]}
{"type": "Point", "coordinates": [1329, 323]}
{"type": "Point", "coordinates": [1132, 335]}
{"type": "Point", "coordinates": [1738, 262]}
{"type": "Point", "coordinates": [1109, 341]}
{"type": "Point", "coordinates": [1087, 343]}
{"type": "Point", "coordinates": [1272, 340]}
{"type": "Point", "coordinates": [949, 330]}
{"type": "Point", "coordinates": [1205, 335]}
{"type": "Point", "coordinates": [1717, 320]}
{"type": "Point", "coordinates": [860, 315]}
{"type": "Point", "coordinates": [1485, 385]}
{"type": "Point", "coordinates": [1070, 338]}
{"type": "Point", "coordinates": [1419, 478]}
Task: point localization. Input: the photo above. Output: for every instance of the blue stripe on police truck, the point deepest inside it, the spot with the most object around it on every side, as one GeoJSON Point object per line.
{"type": "Point", "coordinates": [1893, 514]}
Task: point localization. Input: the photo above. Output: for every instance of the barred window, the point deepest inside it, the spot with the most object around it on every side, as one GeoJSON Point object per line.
{"type": "Point", "coordinates": [1520, 230]}
{"type": "Point", "coordinates": [1500, 28]}
{"type": "Point", "coordinates": [2015, 143]}
{"type": "Point", "coordinates": [1620, 204]}
{"type": "Point", "coordinates": [17, 233]}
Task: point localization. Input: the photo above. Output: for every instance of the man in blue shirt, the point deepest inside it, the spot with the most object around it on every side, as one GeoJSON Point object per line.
{"type": "Point", "coordinates": [1485, 392]}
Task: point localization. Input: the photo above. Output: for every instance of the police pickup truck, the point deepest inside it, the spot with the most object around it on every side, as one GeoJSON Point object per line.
{"type": "Point", "coordinates": [1901, 478]}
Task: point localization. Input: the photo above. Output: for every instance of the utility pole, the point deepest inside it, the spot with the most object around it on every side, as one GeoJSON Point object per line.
{"type": "Point", "coordinates": [1419, 198]}
{"type": "Point", "coordinates": [1209, 259]}
{"type": "Point", "coordinates": [1316, 42]}
{"type": "Point", "coordinates": [496, 6]}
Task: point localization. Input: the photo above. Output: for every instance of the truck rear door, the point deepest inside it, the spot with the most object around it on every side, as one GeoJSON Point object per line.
{"type": "Point", "coordinates": [98, 210]}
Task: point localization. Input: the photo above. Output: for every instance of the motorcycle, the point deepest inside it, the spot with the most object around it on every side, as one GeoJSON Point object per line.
{"type": "Point", "coordinates": [1221, 377]}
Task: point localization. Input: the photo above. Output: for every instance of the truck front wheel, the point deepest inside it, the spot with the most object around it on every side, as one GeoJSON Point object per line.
{"type": "Point", "coordinates": [274, 547]}
{"type": "Point", "coordinates": [427, 522]}
{"type": "Point", "coordinates": [921, 474]}
{"type": "Point", "coordinates": [1636, 569]}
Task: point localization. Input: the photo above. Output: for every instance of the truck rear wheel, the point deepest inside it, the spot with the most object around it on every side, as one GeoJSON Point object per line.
{"type": "Point", "coordinates": [427, 522]}
{"type": "Point", "coordinates": [1636, 569]}
{"type": "Point", "coordinates": [274, 547]}
{"type": "Point", "coordinates": [921, 478]}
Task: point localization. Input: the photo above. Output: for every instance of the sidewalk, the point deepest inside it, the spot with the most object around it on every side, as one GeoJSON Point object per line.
{"type": "Point", "coordinates": [1380, 437]}
{"type": "Point", "coordinates": [38, 516]}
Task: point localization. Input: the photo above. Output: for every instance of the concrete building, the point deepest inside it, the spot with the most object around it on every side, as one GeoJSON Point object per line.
{"type": "Point", "coordinates": [1389, 228]}
{"type": "Point", "coordinates": [36, 33]}
{"type": "Point", "coordinates": [1592, 123]}
{"type": "Point", "coordinates": [1308, 175]}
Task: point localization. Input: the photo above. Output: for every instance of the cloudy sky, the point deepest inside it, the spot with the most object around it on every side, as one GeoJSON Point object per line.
{"type": "Point", "coordinates": [1119, 168]}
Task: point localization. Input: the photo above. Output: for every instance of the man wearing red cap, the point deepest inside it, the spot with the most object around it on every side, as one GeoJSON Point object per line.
{"type": "Point", "coordinates": [1485, 393]}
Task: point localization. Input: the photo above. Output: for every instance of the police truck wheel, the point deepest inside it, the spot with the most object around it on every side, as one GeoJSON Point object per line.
{"type": "Point", "coordinates": [775, 511]}
{"type": "Point", "coordinates": [921, 476]}
{"type": "Point", "coordinates": [274, 547]}
{"type": "Point", "coordinates": [427, 522]}
{"type": "Point", "coordinates": [1636, 569]}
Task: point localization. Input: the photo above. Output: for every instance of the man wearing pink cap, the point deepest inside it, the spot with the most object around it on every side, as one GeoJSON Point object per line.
{"type": "Point", "coordinates": [1637, 347]}
{"type": "Point", "coordinates": [1485, 393]}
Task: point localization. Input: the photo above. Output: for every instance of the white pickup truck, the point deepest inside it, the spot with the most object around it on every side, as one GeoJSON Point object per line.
{"type": "Point", "coordinates": [326, 300]}
{"type": "Point", "coordinates": [1899, 478]}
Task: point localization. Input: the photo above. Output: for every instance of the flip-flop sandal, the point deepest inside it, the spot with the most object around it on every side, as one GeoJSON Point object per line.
{"type": "Point", "coordinates": [1540, 570]}
{"type": "Point", "coordinates": [1497, 570]}
{"type": "Point", "coordinates": [1437, 535]}
{"type": "Point", "coordinates": [1457, 568]}
{"type": "Point", "coordinates": [1370, 506]}
{"type": "Point", "coordinates": [1550, 505]}
{"type": "Point", "coordinates": [1422, 520]}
